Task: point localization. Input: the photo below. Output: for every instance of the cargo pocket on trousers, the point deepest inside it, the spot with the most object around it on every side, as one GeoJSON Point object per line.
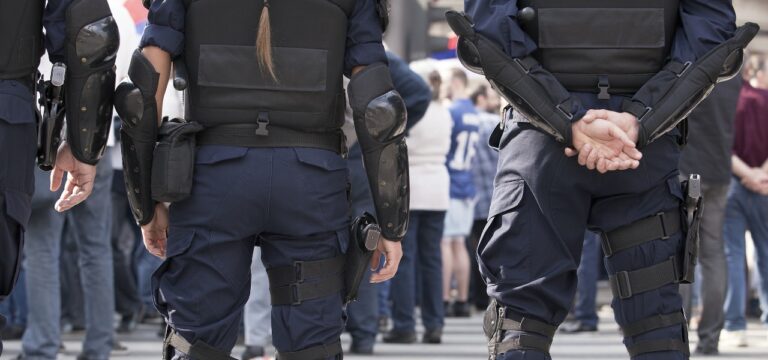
{"type": "Point", "coordinates": [178, 242]}
{"type": "Point", "coordinates": [502, 252]}
{"type": "Point", "coordinates": [326, 170]}
{"type": "Point", "coordinates": [17, 211]}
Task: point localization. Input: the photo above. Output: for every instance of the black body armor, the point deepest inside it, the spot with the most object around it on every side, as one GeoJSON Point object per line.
{"type": "Point", "coordinates": [21, 37]}
{"type": "Point", "coordinates": [601, 46]}
{"type": "Point", "coordinates": [227, 85]}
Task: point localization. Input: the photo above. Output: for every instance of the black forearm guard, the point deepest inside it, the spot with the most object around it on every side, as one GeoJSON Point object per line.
{"type": "Point", "coordinates": [546, 104]}
{"type": "Point", "coordinates": [136, 105]}
{"type": "Point", "coordinates": [380, 118]}
{"type": "Point", "coordinates": [669, 97]}
{"type": "Point", "coordinates": [92, 42]}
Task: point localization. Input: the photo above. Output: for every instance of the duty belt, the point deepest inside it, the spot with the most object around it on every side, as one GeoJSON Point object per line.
{"type": "Point", "coordinates": [262, 134]}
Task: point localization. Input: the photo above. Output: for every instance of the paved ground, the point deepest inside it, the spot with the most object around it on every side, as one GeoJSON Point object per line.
{"type": "Point", "coordinates": [462, 340]}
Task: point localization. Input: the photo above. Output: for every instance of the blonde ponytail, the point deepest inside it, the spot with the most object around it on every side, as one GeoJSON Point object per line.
{"type": "Point", "coordinates": [264, 43]}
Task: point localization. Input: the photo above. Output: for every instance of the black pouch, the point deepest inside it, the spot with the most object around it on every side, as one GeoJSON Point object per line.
{"type": "Point", "coordinates": [365, 237]}
{"type": "Point", "coordinates": [692, 212]}
{"type": "Point", "coordinates": [174, 160]}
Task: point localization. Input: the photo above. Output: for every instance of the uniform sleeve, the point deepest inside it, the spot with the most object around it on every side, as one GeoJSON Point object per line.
{"type": "Point", "coordinates": [704, 24]}
{"type": "Point", "coordinates": [412, 88]}
{"type": "Point", "coordinates": [364, 37]}
{"type": "Point", "coordinates": [497, 20]}
{"type": "Point", "coordinates": [165, 28]}
{"type": "Point", "coordinates": [54, 21]}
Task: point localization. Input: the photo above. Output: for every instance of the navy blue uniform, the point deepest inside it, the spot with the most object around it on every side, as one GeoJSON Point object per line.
{"type": "Point", "coordinates": [543, 201]}
{"type": "Point", "coordinates": [18, 145]}
{"type": "Point", "coordinates": [290, 201]}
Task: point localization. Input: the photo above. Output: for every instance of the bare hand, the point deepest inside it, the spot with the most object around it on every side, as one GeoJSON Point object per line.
{"type": "Point", "coordinates": [155, 233]}
{"type": "Point", "coordinates": [603, 144]}
{"type": "Point", "coordinates": [625, 121]}
{"type": "Point", "coordinates": [756, 180]}
{"type": "Point", "coordinates": [80, 177]}
{"type": "Point", "coordinates": [393, 252]}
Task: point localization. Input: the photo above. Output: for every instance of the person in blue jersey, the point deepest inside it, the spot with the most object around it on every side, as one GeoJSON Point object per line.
{"type": "Point", "coordinates": [82, 38]}
{"type": "Point", "coordinates": [459, 217]}
{"type": "Point", "coordinates": [264, 110]}
{"type": "Point", "coordinates": [587, 92]}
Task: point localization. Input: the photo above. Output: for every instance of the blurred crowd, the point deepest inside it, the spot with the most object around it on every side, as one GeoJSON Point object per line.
{"type": "Point", "coordinates": [87, 270]}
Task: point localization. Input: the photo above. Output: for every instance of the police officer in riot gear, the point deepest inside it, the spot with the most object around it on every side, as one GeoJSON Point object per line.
{"type": "Point", "coordinates": [612, 82]}
{"type": "Point", "coordinates": [81, 39]}
{"type": "Point", "coordinates": [265, 105]}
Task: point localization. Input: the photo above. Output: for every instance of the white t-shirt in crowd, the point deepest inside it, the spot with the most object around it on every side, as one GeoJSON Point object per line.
{"type": "Point", "coordinates": [428, 144]}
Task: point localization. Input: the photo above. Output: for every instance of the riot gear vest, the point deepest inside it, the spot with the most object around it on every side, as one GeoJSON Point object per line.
{"type": "Point", "coordinates": [227, 86]}
{"type": "Point", "coordinates": [21, 37]}
{"type": "Point", "coordinates": [601, 46]}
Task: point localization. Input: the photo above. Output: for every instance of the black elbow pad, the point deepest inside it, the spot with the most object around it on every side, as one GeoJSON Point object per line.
{"type": "Point", "coordinates": [380, 118]}
{"type": "Point", "coordinates": [92, 40]}
{"type": "Point", "coordinates": [136, 105]}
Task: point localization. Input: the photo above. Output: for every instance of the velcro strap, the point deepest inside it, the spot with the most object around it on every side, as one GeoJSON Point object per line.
{"type": "Point", "coordinates": [525, 342]}
{"type": "Point", "coordinates": [314, 353]}
{"type": "Point", "coordinates": [660, 226]}
{"type": "Point", "coordinates": [198, 350]}
{"type": "Point", "coordinates": [653, 323]}
{"type": "Point", "coordinates": [650, 346]}
{"type": "Point", "coordinates": [624, 284]}
{"type": "Point", "coordinates": [247, 135]}
{"type": "Point", "coordinates": [302, 270]}
{"type": "Point", "coordinates": [528, 325]}
{"type": "Point", "coordinates": [295, 294]}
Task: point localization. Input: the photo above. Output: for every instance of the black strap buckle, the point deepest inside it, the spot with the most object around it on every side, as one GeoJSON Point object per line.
{"type": "Point", "coordinates": [298, 271]}
{"type": "Point", "coordinates": [623, 285]}
{"type": "Point", "coordinates": [296, 297]}
{"type": "Point", "coordinates": [686, 66]}
{"type": "Point", "coordinates": [664, 231]}
{"type": "Point", "coordinates": [606, 244]}
{"type": "Point", "coordinates": [565, 112]}
{"type": "Point", "coordinates": [603, 85]}
{"type": "Point", "coordinates": [522, 65]}
{"type": "Point", "coordinates": [261, 124]}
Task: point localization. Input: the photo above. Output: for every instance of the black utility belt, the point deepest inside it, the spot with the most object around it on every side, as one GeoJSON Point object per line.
{"type": "Point", "coordinates": [261, 135]}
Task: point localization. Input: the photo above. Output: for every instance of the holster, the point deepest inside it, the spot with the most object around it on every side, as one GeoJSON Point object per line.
{"type": "Point", "coordinates": [365, 237]}
{"type": "Point", "coordinates": [492, 327]}
{"type": "Point", "coordinates": [692, 213]}
{"type": "Point", "coordinates": [50, 121]}
{"type": "Point", "coordinates": [174, 160]}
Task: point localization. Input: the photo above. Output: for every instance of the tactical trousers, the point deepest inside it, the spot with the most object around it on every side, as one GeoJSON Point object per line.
{"type": "Point", "coordinates": [17, 160]}
{"type": "Point", "coordinates": [292, 202]}
{"type": "Point", "coordinates": [542, 204]}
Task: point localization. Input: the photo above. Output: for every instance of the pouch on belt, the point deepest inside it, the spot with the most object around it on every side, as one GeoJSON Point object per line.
{"type": "Point", "coordinates": [174, 160]}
